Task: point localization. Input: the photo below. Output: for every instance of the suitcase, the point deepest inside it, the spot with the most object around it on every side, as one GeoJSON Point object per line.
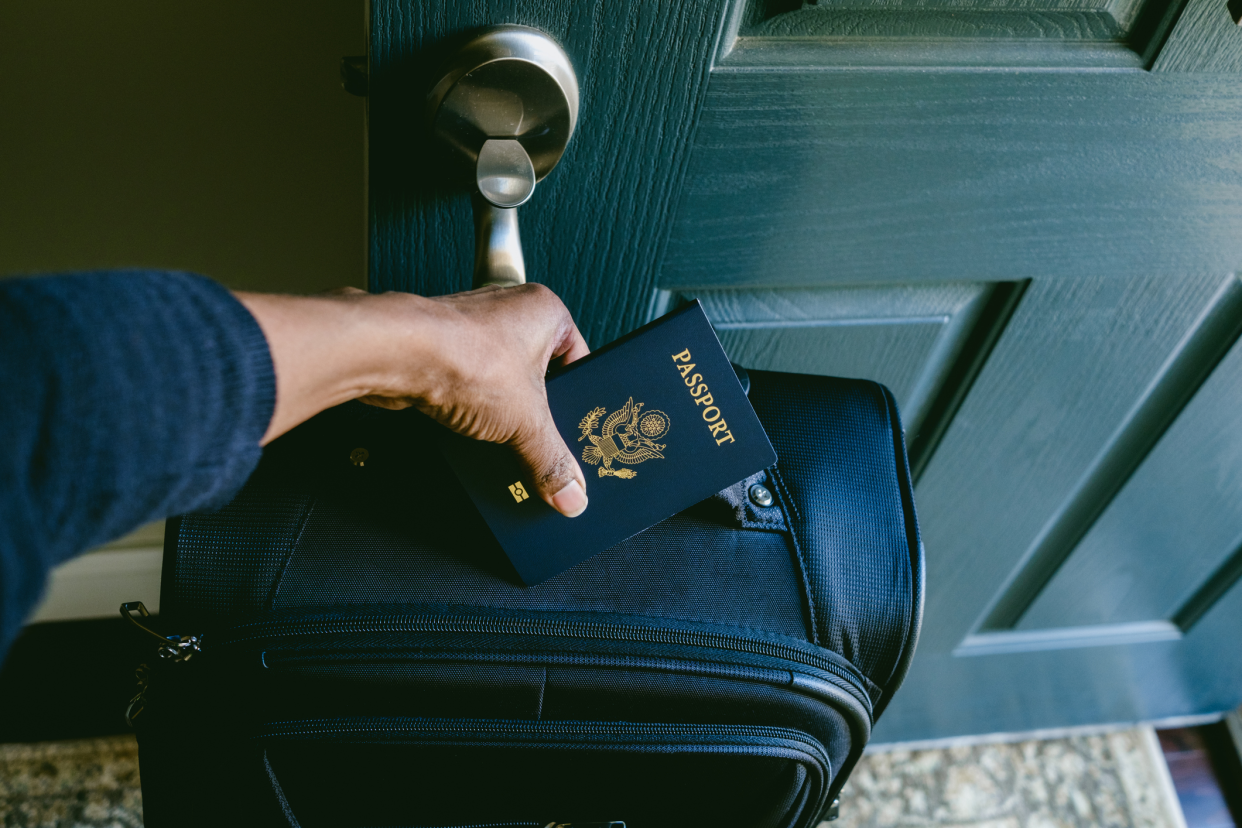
{"type": "Point", "coordinates": [354, 649]}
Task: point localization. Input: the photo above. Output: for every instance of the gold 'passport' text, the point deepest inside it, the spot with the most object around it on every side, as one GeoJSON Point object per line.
{"type": "Point", "coordinates": [702, 396]}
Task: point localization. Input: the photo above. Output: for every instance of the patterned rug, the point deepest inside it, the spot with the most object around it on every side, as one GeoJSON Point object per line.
{"type": "Point", "coordinates": [1115, 780]}
{"type": "Point", "coordinates": [92, 782]}
{"type": "Point", "coordinates": [1112, 780]}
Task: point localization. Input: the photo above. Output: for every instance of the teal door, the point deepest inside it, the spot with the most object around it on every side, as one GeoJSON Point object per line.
{"type": "Point", "coordinates": [1024, 217]}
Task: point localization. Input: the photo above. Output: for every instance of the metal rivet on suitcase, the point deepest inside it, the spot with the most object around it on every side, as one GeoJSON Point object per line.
{"type": "Point", "coordinates": [760, 496]}
{"type": "Point", "coordinates": [832, 812]}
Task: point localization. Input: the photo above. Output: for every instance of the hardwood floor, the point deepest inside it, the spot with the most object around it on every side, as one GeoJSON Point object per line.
{"type": "Point", "coordinates": [1204, 765]}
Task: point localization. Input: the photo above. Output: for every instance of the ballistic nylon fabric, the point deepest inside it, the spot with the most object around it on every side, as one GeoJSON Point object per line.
{"type": "Point", "coordinates": [838, 463]}
{"type": "Point", "coordinates": [228, 560]}
{"type": "Point", "coordinates": [682, 568]}
{"type": "Point", "coordinates": [400, 530]}
{"type": "Point", "coordinates": [314, 530]}
{"type": "Point", "coordinates": [633, 695]}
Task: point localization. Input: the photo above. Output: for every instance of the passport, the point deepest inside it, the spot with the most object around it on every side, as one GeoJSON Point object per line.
{"type": "Point", "coordinates": [657, 420]}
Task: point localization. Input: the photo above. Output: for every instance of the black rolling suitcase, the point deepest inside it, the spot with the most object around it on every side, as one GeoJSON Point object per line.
{"type": "Point", "coordinates": [364, 656]}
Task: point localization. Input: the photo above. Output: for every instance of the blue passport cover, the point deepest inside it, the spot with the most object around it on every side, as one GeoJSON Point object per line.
{"type": "Point", "coordinates": [658, 421]}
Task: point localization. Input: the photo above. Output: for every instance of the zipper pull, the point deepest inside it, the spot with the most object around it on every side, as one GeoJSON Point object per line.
{"type": "Point", "coordinates": [178, 648]}
{"type": "Point", "coordinates": [139, 701]}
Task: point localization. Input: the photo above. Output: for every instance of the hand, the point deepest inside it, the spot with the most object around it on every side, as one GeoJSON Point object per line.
{"type": "Point", "coordinates": [473, 361]}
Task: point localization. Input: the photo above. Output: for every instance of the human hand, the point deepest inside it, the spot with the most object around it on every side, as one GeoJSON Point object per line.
{"type": "Point", "coordinates": [474, 362]}
{"type": "Point", "coordinates": [486, 381]}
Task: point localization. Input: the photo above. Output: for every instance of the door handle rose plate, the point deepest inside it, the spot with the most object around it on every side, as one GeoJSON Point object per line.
{"type": "Point", "coordinates": [507, 103]}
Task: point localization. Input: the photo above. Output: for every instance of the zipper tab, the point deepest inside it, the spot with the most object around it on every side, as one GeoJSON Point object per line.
{"type": "Point", "coordinates": [176, 648]}
{"type": "Point", "coordinates": [139, 702]}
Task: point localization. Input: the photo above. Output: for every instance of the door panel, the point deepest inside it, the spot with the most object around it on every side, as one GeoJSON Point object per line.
{"type": "Point", "coordinates": [1205, 39]}
{"type": "Point", "coordinates": [1119, 21]}
{"type": "Point", "coordinates": [907, 337]}
{"type": "Point", "coordinates": [947, 694]}
{"type": "Point", "coordinates": [1170, 531]}
{"type": "Point", "coordinates": [1055, 392]}
{"type": "Point", "coordinates": [803, 177]}
{"type": "Point", "coordinates": [1028, 236]}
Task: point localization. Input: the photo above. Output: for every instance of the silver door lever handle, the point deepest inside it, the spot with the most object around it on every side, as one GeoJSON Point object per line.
{"type": "Point", "coordinates": [505, 178]}
{"type": "Point", "coordinates": [507, 102]}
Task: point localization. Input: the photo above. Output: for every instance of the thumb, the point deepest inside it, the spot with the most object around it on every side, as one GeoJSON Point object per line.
{"type": "Point", "coordinates": [552, 467]}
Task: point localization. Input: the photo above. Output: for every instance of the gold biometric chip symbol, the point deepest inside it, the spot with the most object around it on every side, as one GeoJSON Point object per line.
{"type": "Point", "coordinates": [518, 491]}
{"type": "Point", "coordinates": [627, 436]}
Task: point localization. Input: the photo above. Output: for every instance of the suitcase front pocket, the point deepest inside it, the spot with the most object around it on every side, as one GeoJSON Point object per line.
{"type": "Point", "coordinates": [454, 772]}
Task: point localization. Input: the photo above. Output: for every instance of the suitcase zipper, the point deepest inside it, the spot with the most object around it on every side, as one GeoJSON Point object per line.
{"type": "Point", "coordinates": [181, 648]}
{"type": "Point", "coordinates": [758, 734]}
{"type": "Point", "coordinates": [537, 825]}
{"type": "Point", "coordinates": [769, 741]}
{"type": "Point", "coordinates": [766, 741]}
{"type": "Point", "coordinates": [558, 628]}
{"type": "Point", "coordinates": [176, 648]}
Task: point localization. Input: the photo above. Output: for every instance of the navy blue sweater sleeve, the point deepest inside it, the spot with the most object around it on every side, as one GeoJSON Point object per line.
{"type": "Point", "coordinates": [125, 397]}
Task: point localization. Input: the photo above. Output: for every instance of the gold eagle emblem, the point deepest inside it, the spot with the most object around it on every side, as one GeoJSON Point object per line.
{"type": "Point", "coordinates": [628, 436]}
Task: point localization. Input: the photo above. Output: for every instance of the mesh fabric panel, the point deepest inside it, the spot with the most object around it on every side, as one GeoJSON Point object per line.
{"type": "Point", "coordinates": [683, 568]}
{"type": "Point", "coordinates": [227, 560]}
{"type": "Point", "coordinates": [839, 466]}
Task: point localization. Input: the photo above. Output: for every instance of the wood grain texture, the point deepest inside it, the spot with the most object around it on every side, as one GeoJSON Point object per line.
{"type": "Point", "coordinates": [947, 696]}
{"type": "Point", "coordinates": [595, 228]}
{"type": "Point", "coordinates": [771, 54]}
{"type": "Point", "coordinates": [904, 336]}
{"type": "Point", "coordinates": [816, 177]}
{"type": "Point", "coordinates": [1205, 39]}
{"type": "Point", "coordinates": [799, 19]}
{"type": "Point", "coordinates": [1174, 523]}
{"type": "Point", "coordinates": [1058, 385]}
{"type": "Point", "coordinates": [736, 308]}
{"type": "Point", "coordinates": [930, 21]}
{"type": "Point", "coordinates": [1156, 408]}
{"type": "Point", "coordinates": [802, 20]}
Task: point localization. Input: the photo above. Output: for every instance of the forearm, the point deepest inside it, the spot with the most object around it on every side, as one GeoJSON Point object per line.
{"type": "Point", "coordinates": [328, 350]}
{"type": "Point", "coordinates": [475, 362]}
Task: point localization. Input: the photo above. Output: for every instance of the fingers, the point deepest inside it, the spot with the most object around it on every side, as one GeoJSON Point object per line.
{"type": "Point", "coordinates": [572, 346]}
{"type": "Point", "coordinates": [505, 340]}
{"type": "Point", "coordinates": [556, 474]}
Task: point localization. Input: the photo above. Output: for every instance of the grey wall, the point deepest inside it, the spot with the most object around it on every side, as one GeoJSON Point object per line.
{"type": "Point", "coordinates": [209, 136]}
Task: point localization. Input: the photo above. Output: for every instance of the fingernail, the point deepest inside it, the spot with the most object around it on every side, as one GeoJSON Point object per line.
{"type": "Point", "coordinates": [570, 501]}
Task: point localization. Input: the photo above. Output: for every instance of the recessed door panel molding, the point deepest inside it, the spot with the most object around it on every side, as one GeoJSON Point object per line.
{"type": "Point", "coordinates": [1031, 34]}
{"type": "Point", "coordinates": [1174, 525]}
{"type": "Point", "coordinates": [1060, 385]}
{"type": "Point", "coordinates": [916, 339]}
{"type": "Point", "coordinates": [1075, 522]}
{"type": "Point", "coordinates": [1177, 678]}
{"type": "Point", "coordinates": [1205, 39]}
